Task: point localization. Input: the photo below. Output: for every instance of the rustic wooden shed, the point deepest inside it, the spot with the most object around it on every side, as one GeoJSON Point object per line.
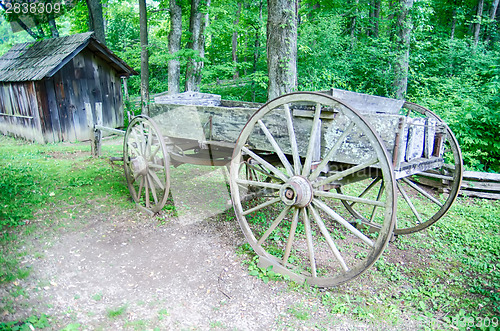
{"type": "Point", "coordinates": [44, 86]}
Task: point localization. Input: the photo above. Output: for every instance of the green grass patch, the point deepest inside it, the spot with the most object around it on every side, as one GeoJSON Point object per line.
{"type": "Point", "coordinates": [43, 184]}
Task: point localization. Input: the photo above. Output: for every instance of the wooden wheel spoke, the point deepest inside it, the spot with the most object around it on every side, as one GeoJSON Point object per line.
{"type": "Point", "coordinates": [273, 226]}
{"type": "Point", "coordinates": [276, 148]}
{"type": "Point", "coordinates": [408, 201]}
{"type": "Point", "coordinates": [259, 184]}
{"type": "Point", "coordinates": [348, 198]}
{"type": "Point", "coordinates": [265, 164]}
{"type": "Point", "coordinates": [379, 196]}
{"type": "Point", "coordinates": [421, 191]}
{"type": "Point", "coordinates": [368, 188]}
{"type": "Point", "coordinates": [342, 221]}
{"type": "Point", "coordinates": [138, 136]}
{"type": "Point", "coordinates": [153, 153]}
{"type": "Point", "coordinates": [153, 189]}
{"type": "Point", "coordinates": [146, 191]}
{"type": "Point", "coordinates": [313, 140]}
{"type": "Point", "coordinates": [156, 166]}
{"type": "Point", "coordinates": [141, 185]}
{"type": "Point", "coordinates": [328, 238]}
{"type": "Point", "coordinates": [156, 179]}
{"type": "Point", "coordinates": [262, 171]}
{"type": "Point", "coordinates": [344, 173]}
{"type": "Point", "coordinates": [291, 236]}
{"type": "Point", "coordinates": [293, 141]}
{"type": "Point", "coordinates": [331, 152]}
{"type": "Point", "coordinates": [262, 205]}
{"type": "Point", "coordinates": [149, 144]}
{"type": "Point", "coordinates": [309, 240]}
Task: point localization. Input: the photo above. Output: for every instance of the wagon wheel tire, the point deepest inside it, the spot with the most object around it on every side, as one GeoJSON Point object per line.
{"type": "Point", "coordinates": [297, 228]}
{"type": "Point", "coordinates": [410, 190]}
{"type": "Point", "coordinates": [146, 164]}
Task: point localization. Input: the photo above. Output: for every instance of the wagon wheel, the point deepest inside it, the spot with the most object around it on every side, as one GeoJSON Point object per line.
{"type": "Point", "coordinates": [420, 206]}
{"type": "Point", "coordinates": [296, 224]}
{"type": "Point", "coordinates": [146, 164]}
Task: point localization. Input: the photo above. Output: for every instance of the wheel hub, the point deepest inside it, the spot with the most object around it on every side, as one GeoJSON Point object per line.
{"type": "Point", "coordinates": [297, 192]}
{"type": "Point", "coordinates": [139, 165]}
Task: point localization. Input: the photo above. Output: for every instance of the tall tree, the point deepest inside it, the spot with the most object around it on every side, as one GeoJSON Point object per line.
{"type": "Point", "coordinates": [493, 12]}
{"type": "Point", "coordinates": [197, 24]}
{"type": "Point", "coordinates": [234, 42]}
{"type": "Point", "coordinates": [374, 19]}
{"type": "Point", "coordinates": [96, 19]}
{"type": "Point", "coordinates": [143, 27]}
{"type": "Point", "coordinates": [281, 47]}
{"type": "Point", "coordinates": [402, 40]}
{"type": "Point", "coordinates": [477, 21]}
{"type": "Point", "coordinates": [174, 45]}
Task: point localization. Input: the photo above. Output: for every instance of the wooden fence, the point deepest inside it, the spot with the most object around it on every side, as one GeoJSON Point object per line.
{"type": "Point", "coordinates": [474, 183]}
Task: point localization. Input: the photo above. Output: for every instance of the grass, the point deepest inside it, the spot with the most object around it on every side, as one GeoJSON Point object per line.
{"type": "Point", "coordinates": [446, 276]}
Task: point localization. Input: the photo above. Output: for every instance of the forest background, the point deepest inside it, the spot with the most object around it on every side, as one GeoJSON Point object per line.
{"type": "Point", "coordinates": [451, 46]}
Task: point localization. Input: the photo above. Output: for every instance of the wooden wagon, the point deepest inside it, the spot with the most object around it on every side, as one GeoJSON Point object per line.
{"type": "Point", "coordinates": [315, 178]}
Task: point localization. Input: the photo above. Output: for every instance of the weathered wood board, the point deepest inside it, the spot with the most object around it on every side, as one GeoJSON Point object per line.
{"type": "Point", "coordinates": [366, 103]}
{"type": "Point", "coordinates": [193, 122]}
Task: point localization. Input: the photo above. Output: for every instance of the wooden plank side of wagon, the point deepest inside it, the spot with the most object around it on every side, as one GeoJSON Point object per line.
{"type": "Point", "coordinates": [225, 124]}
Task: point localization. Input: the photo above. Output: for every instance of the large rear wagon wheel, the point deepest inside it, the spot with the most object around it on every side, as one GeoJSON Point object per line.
{"type": "Point", "coordinates": [146, 164]}
{"type": "Point", "coordinates": [297, 224]}
{"type": "Point", "coordinates": [420, 203]}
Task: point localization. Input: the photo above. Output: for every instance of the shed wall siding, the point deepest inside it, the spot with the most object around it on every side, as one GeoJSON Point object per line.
{"type": "Point", "coordinates": [85, 79]}
{"type": "Point", "coordinates": [19, 111]}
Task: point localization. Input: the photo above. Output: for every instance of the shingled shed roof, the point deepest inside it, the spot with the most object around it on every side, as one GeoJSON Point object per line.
{"type": "Point", "coordinates": [42, 59]}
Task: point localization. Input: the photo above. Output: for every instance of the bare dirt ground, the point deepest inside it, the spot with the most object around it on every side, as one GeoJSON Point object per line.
{"type": "Point", "coordinates": [127, 272]}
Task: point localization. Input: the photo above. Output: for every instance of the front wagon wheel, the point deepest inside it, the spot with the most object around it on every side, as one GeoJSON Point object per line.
{"type": "Point", "coordinates": [146, 164]}
{"type": "Point", "coordinates": [299, 147]}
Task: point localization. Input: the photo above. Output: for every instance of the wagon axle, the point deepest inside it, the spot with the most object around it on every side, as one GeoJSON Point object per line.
{"type": "Point", "coordinates": [139, 166]}
{"type": "Point", "coordinates": [297, 192]}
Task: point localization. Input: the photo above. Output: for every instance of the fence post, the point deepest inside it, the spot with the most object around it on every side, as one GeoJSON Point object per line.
{"type": "Point", "coordinates": [90, 123]}
{"type": "Point", "coordinates": [98, 133]}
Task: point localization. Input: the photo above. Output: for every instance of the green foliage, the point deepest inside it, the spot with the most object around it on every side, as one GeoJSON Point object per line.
{"type": "Point", "coordinates": [116, 312]}
{"type": "Point", "coordinates": [266, 274]}
{"type": "Point", "coordinates": [31, 323]}
{"type": "Point", "coordinates": [461, 84]}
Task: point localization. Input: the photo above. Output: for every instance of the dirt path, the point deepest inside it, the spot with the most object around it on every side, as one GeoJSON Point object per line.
{"type": "Point", "coordinates": [129, 272]}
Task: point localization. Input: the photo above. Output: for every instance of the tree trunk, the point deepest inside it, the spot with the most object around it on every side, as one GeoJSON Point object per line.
{"type": "Point", "coordinates": [143, 30]}
{"type": "Point", "coordinates": [491, 24]}
{"type": "Point", "coordinates": [477, 24]}
{"type": "Point", "coordinates": [281, 47]}
{"type": "Point", "coordinates": [96, 19]}
{"type": "Point", "coordinates": [235, 42]}
{"type": "Point", "coordinates": [374, 19]}
{"type": "Point", "coordinates": [53, 28]}
{"type": "Point", "coordinates": [174, 45]}
{"type": "Point", "coordinates": [402, 41]}
{"type": "Point", "coordinates": [197, 25]}
{"type": "Point", "coordinates": [453, 23]}
{"type": "Point", "coordinates": [353, 21]}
